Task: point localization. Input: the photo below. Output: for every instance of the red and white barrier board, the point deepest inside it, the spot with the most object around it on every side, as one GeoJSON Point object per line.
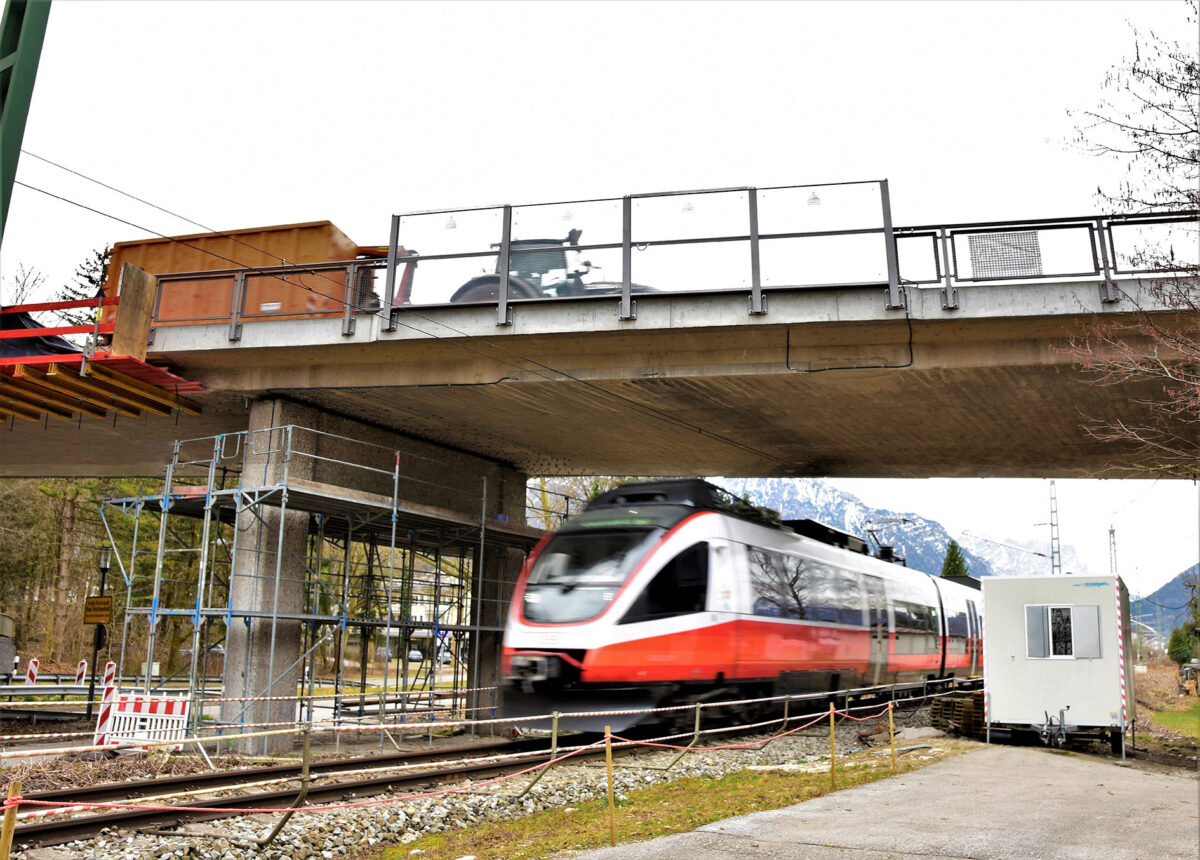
{"type": "Point", "coordinates": [80, 673]}
{"type": "Point", "coordinates": [31, 673]}
{"type": "Point", "coordinates": [136, 717]}
{"type": "Point", "coordinates": [104, 721]}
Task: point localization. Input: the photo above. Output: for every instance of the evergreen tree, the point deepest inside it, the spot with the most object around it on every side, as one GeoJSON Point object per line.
{"type": "Point", "coordinates": [955, 564]}
{"type": "Point", "coordinates": [1179, 648]}
{"type": "Point", "coordinates": [89, 280]}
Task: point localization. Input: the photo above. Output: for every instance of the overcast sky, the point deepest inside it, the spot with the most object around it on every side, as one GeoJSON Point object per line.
{"type": "Point", "coordinates": [250, 114]}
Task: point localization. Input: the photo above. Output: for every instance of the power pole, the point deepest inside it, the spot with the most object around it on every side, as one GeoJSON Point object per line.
{"type": "Point", "coordinates": [1055, 546]}
{"type": "Point", "coordinates": [1112, 551]}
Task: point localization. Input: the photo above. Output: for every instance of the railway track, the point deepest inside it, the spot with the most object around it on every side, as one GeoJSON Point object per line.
{"type": "Point", "coordinates": [54, 831]}
{"type": "Point", "coordinates": [57, 831]}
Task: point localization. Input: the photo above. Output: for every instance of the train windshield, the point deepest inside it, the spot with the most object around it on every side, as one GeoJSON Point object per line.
{"type": "Point", "coordinates": [578, 573]}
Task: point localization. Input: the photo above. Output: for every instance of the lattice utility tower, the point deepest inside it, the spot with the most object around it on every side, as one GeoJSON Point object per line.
{"type": "Point", "coordinates": [1112, 551]}
{"type": "Point", "coordinates": [1055, 546]}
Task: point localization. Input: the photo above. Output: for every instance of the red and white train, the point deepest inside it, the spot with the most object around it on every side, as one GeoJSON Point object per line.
{"type": "Point", "coordinates": [673, 592]}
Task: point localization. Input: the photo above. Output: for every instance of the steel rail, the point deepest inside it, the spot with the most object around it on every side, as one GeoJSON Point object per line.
{"type": "Point", "coordinates": [55, 832]}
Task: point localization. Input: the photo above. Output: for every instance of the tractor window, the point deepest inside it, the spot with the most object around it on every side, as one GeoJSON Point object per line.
{"type": "Point", "coordinates": [680, 588]}
{"type": "Point", "coordinates": [541, 267]}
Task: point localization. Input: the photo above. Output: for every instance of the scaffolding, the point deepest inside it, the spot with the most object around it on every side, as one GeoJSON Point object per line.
{"type": "Point", "coordinates": [339, 537]}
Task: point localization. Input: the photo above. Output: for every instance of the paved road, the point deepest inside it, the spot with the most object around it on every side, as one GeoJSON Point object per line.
{"type": "Point", "coordinates": [996, 802]}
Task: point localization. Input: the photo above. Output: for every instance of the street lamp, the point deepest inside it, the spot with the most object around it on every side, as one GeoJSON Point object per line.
{"type": "Point", "coordinates": [100, 637]}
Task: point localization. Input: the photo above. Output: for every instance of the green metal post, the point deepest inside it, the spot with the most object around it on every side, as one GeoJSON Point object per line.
{"type": "Point", "coordinates": [21, 33]}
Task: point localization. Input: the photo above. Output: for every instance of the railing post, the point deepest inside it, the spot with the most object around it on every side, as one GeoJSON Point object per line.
{"type": "Point", "coordinates": [503, 311]}
{"type": "Point", "coordinates": [895, 300]}
{"type": "Point", "coordinates": [389, 320]}
{"type": "Point", "coordinates": [237, 303]}
{"type": "Point", "coordinates": [949, 292]}
{"type": "Point", "coordinates": [628, 310]}
{"type": "Point", "coordinates": [1109, 294]}
{"type": "Point", "coordinates": [349, 294]}
{"type": "Point", "coordinates": [758, 304]}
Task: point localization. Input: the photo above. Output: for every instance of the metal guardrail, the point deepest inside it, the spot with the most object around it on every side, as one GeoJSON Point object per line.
{"type": "Point", "coordinates": [741, 240]}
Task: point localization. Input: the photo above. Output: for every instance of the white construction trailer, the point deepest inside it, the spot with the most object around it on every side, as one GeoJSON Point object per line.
{"type": "Point", "coordinates": [1057, 658]}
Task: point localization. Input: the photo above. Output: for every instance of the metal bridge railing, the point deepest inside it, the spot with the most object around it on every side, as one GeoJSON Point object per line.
{"type": "Point", "coordinates": [749, 240]}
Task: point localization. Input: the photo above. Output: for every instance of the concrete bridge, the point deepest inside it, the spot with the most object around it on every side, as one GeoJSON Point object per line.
{"type": "Point", "coordinates": [952, 362]}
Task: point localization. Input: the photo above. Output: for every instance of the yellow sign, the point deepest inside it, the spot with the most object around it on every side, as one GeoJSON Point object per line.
{"type": "Point", "coordinates": [97, 610]}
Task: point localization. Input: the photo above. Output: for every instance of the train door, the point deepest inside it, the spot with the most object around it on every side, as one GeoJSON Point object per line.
{"type": "Point", "coordinates": [877, 619]}
{"type": "Point", "coordinates": [974, 636]}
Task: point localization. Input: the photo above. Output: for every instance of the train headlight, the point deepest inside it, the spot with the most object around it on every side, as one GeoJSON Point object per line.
{"type": "Point", "coordinates": [534, 667]}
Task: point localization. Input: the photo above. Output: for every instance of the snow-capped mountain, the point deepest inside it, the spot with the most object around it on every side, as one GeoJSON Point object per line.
{"type": "Point", "coordinates": [921, 541]}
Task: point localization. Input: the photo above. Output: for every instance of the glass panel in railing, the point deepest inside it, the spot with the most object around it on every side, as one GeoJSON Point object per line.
{"type": "Point", "coordinates": [692, 267]}
{"type": "Point", "coordinates": [1069, 251]}
{"type": "Point", "coordinates": [704, 215]}
{"type": "Point", "coordinates": [319, 292]}
{"type": "Point", "coordinates": [543, 271]}
{"type": "Point", "coordinates": [918, 259]}
{"type": "Point", "coordinates": [1159, 247]}
{"type": "Point", "coordinates": [456, 279]}
{"type": "Point", "coordinates": [202, 299]}
{"type": "Point", "coordinates": [461, 232]}
{"type": "Point", "coordinates": [592, 222]}
{"type": "Point", "coordinates": [820, 208]}
{"type": "Point", "coordinates": [858, 258]}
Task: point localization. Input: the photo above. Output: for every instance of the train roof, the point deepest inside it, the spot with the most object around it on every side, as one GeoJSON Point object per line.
{"type": "Point", "coordinates": [700, 494]}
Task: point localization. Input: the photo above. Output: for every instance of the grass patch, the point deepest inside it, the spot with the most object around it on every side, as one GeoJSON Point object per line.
{"type": "Point", "coordinates": [660, 810]}
{"type": "Point", "coordinates": [1186, 722]}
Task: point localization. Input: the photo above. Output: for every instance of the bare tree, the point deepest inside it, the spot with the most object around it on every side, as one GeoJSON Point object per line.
{"type": "Point", "coordinates": [24, 285]}
{"type": "Point", "coordinates": [1149, 119]}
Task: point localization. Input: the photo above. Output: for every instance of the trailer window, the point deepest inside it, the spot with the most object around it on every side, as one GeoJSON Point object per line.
{"type": "Point", "coordinates": [1062, 632]}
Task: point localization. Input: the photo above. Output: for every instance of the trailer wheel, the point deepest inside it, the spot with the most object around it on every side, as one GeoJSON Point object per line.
{"type": "Point", "coordinates": [1115, 741]}
{"type": "Point", "coordinates": [487, 289]}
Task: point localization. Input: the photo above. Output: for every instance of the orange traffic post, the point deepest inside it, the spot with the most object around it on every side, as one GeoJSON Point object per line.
{"type": "Point", "coordinates": [10, 820]}
{"type": "Point", "coordinates": [612, 812]}
{"type": "Point", "coordinates": [832, 751]}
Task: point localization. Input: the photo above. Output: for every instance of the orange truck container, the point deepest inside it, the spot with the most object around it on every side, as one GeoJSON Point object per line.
{"type": "Point", "coordinates": [184, 302]}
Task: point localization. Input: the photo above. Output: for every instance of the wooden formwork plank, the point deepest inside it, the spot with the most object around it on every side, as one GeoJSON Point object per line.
{"type": "Point", "coordinates": [132, 329]}
{"type": "Point", "coordinates": [54, 395]}
{"type": "Point", "coordinates": [143, 389]}
{"type": "Point", "coordinates": [16, 397]}
{"type": "Point", "coordinates": [99, 386]}
{"type": "Point", "coordinates": [71, 384]}
{"type": "Point", "coordinates": [7, 410]}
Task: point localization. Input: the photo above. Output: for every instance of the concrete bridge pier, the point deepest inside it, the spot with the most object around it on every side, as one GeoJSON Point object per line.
{"type": "Point", "coordinates": [267, 585]}
{"type": "Point", "coordinates": [270, 573]}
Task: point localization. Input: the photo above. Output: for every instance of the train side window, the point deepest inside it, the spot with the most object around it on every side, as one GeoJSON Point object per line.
{"type": "Point", "coordinates": [680, 588]}
{"type": "Point", "coordinates": [778, 589]}
{"type": "Point", "coordinates": [956, 623]}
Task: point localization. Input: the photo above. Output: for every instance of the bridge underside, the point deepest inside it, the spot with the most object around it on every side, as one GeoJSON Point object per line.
{"type": "Point", "coordinates": [940, 395]}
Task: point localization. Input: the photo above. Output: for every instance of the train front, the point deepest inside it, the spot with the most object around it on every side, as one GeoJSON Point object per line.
{"type": "Point", "coordinates": [585, 625]}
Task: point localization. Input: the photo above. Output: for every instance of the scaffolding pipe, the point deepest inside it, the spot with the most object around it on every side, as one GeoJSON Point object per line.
{"type": "Point", "coordinates": [477, 610]}
{"type": "Point", "coordinates": [158, 568]}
